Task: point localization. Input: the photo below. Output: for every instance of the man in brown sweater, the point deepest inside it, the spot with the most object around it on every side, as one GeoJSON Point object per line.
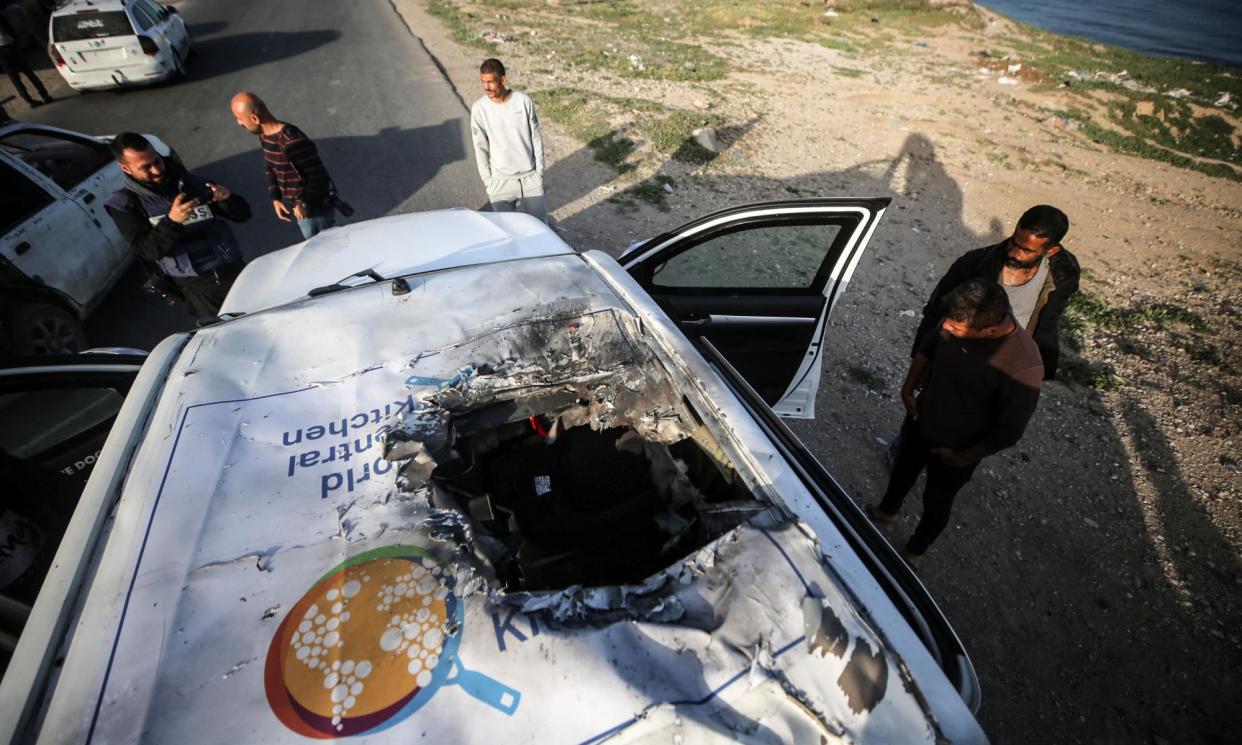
{"type": "Point", "coordinates": [297, 180]}
{"type": "Point", "coordinates": [971, 389]}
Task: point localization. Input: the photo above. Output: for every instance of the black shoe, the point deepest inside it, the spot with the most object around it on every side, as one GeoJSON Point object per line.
{"type": "Point", "coordinates": [878, 516]}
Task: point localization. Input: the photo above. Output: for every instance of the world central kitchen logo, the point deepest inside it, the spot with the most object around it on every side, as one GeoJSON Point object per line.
{"type": "Point", "coordinates": [370, 644]}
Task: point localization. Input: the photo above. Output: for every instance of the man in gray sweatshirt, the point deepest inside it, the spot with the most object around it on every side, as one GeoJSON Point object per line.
{"type": "Point", "coordinates": [508, 145]}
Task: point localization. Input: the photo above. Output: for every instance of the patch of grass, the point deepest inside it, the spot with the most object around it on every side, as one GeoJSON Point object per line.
{"type": "Point", "coordinates": [649, 190]}
{"type": "Point", "coordinates": [1134, 145]}
{"type": "Point", "coordinates": [868, 378]}
{"type": "Point", "coordinates": [655, 58]}
{"type": "Point", "coordinates": [1067, 168]}
{"type": "Point", "coordinates": [1171, 123]}
{"type": "Point", "coordinates": [1054, 55]}
{"type": "Point", "coordinates": [460, 23]}
{"type": "Point", "coordinates": [848, 72]}
{"type": "Point", "coordinates": [671, 135]}
{"type": "Point", "coordinates": [586, 118]}
{"type": "Point", "coordinates": [589, 116]}
{"type": "Point", "coordinates": [1077, 371]}
{"type": "Point", "coordinates": [1086, 312]}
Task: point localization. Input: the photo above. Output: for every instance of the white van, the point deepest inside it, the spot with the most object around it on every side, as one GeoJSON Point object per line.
{"type": "Point", "coordinates": [114, 43]}
{"type": "Point", "coordinates": [438, 477]}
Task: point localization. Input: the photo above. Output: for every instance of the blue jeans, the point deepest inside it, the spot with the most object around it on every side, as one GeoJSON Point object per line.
{"type": "Point", "coordinates": [315, 223]}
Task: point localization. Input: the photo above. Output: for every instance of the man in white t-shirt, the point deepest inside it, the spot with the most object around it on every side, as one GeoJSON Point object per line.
{"type": "Point", "coordinates": [508, 145]}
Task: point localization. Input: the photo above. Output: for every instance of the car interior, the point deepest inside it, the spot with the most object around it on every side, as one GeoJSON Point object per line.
{"type": "Point", "coordinates": [589, 507]}
{"type": "Point", "coordinates": [66, 161]}
{"type": "Point", "coordinates": [50, 437]}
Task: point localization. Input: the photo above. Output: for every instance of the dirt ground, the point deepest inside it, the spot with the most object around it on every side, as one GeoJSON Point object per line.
{"type": "Point", "coordinates": [1094, 570]}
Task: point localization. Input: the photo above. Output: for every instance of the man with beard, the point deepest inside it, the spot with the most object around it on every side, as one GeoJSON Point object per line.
{"type": "Point", "coordinates": [172, 219]}
{"type": "Point", "coordinates": [508, 144]}
{"type": "Point", "coordinates": [1038, 275]}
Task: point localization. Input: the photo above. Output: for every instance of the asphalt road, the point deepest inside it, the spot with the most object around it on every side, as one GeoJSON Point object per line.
{"type": "Point", "coordinates": [390, 128]}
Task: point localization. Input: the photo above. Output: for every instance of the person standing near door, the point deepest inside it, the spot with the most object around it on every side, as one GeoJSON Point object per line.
{"type": "Point", "coordinates": [15, 65]}
{"type": "Point", "coordinates": [508, 146]}
{"type": "Point", "coordinates": [971, 389]}
{"type": "Point", "coordinates": [299, 184]}
{"type": "Point", "coordinates": [176, 221]}
{"type": "Point", "coordinates": [1038, 274]}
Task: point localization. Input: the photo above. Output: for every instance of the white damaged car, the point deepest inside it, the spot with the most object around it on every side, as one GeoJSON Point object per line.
{"type": "Point", "coordinates": [441, 478]}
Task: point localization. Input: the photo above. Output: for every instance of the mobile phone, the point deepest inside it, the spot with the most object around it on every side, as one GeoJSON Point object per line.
{"type": "Point", "coordinates": [192, 188]}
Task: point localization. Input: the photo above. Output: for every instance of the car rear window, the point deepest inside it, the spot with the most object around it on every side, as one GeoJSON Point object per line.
{"type": "Point", "coordinates": [79, 26]}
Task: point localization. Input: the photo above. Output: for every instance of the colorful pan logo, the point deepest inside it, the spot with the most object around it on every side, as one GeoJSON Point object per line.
{"type": "Point", "coordinates": [369, 644]}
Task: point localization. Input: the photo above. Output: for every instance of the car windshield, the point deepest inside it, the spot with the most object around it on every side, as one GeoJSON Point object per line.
{"type": "Point", "coordinates": [79, 26]}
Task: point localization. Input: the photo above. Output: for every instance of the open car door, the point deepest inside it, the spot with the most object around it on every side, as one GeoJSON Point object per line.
{"type": "Point", "coordinates": [758, 281]}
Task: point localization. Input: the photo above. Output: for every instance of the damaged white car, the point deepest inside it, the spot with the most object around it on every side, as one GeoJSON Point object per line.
{"type": "Point", "coordinates": [441, 478]}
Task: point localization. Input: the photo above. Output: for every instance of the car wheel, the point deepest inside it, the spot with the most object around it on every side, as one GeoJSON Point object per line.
{"type": "Point", "coordinates": [40, 328]}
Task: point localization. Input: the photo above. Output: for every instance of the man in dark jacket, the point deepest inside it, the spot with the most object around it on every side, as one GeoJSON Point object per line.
{"type": "Point", "coordinates": [1038, 275]}
{"type": "Point", "coordinates": [971, 389]}
{"type": "Point", "coordinates": [15, 65]}
{"type": "Point", "coordinates": [172, 218]}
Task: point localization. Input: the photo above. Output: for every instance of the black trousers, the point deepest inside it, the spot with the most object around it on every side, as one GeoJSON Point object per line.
{"type": "Point", "coordinates": [206, 292]}
{"type": "Point", "coordinates": [14, 64]}
{"type": "Point", "coordinates": [943, 483]}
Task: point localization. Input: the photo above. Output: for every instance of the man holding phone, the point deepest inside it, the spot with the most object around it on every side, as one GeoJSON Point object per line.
{"type": "Point", "coordinates": [175, 221]}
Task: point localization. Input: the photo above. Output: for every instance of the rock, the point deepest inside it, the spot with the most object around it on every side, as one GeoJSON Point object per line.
{"type": "Point", "coordinates": [706, 136]}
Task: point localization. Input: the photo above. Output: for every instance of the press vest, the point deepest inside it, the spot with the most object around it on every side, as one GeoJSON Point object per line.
{"type": "Point", "coordinates": [205, 244]}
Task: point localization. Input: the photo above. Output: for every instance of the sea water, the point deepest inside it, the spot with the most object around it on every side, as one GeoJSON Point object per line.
{"type": "Point", "coordinates": [1205, 30]}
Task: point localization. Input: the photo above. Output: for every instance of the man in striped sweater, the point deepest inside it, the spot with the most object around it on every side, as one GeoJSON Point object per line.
{"type": "Point", "coordinates": [296, 178]}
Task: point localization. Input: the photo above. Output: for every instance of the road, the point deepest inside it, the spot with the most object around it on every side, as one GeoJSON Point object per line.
{"type": "Point", "coordinates": [392, 131]}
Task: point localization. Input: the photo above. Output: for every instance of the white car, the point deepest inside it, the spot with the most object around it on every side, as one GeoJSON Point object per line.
{"type": "Point", "coordinates": [440, 478]}
{"type": "Point", "coordinates": [99, 44]}
{"type": "Point", "coordinates": [60, 252]}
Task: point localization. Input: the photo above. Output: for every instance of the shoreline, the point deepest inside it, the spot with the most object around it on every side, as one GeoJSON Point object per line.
{"type": "Point", "coordinates": [1115, 34]}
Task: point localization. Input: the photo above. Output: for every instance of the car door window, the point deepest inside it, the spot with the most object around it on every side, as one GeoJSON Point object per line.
{"type": "Point", "coordinates": [22, 200]}
{"type": "Point", "coordinates": [786, 257]}
{"type": "Point", "coordinates": [142, 17]}
{"type": "Point", "coordinates": [66, 160]}
{"type": "Point", "coordinates": [156, 10]}
{"type": "Point", "coordinates": [81, 26]}
{"type": "Point", "coordinates": [49, 441]}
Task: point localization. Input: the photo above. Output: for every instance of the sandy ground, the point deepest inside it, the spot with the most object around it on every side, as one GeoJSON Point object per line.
{"type": "Point", "coordinates": [1093, 570]}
